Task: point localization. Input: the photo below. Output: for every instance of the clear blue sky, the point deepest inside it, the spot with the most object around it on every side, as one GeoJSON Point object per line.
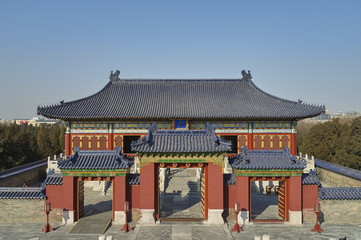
{"type": "Point", "coordinates": [64, 50]}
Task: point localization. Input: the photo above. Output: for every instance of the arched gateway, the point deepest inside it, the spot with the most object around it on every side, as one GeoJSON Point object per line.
{"type": "Point", "coordinates": [139, 134]}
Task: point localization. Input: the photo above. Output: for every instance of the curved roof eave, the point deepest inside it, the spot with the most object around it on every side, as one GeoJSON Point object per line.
{"type": "Point", "coordinates": [60, 112]}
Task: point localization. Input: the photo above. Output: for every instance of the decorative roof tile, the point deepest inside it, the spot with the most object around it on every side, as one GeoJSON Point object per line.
{"type": "Point", "coordinates": [266, 159]}
{"type": "Point", "coordinates": [177, 141]}
{"type": "Point", "coordinates": [184, 99]}
{"type": "Point", "coordinates": [229, 179]}
{"type": "Point", "coordinates": [310, 178]}
{"type": "Point", "coordinates": [133, 179]}
{"type": "Point", "coordinates": [96, 160]}
{"type": "Point", "coordinates": [54, 179]}
{"type": "Point", "coordinates": [340, 193]}
{"type": "Point", "coordinates": [22, 193]}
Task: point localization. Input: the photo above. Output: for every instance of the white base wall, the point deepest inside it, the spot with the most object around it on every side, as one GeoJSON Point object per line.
{"type": "Point", "coordinates": [68, 217]}
{"type": "Point", "coordinates": [147, 217]}
{"type": "Point", "coordinates": [243, 218]}
{"type": "Point", "coordinates": [294, 217]}
{"type": "Point", "coordinates": [215, 216]}
{"type": "Point", "coordinates": [119, 217]}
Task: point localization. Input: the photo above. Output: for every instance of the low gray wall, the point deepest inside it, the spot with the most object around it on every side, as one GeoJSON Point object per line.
{"type": "Point", "coordinates": [25, 211]}
{"type": "Point", "coordinates": [341, 211]}
{"type": "Point", "coordinates": [332, 179]}
{"type": "Point", "coordinates": [31, 173]}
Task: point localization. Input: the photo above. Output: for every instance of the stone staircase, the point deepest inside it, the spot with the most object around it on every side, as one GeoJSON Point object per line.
{"type": "Point", "coordinates": [182, 182]}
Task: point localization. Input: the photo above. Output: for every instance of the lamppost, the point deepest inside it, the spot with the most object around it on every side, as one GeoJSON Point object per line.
{"type": "Point", "coordinates": [47, 209]}
{"type": "Point", "coordinates": [317, 227]}
{"type": "Point", "coordinates": [236, 227]}
{"type": "Point", "coordinates": [126, 227]}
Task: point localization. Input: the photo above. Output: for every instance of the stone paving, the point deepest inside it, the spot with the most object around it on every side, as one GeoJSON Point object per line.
{"type": "Point", "coordinates": [187, 231]}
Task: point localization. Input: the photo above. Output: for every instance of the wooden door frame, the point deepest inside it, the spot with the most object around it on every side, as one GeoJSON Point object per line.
{"type": "Point", "coordinates": [90, 178]}
{"type": "Point", "coordinates": [273, 178]}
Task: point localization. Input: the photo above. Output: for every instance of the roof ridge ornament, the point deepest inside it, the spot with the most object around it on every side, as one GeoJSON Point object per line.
{"type": "Point", "coordinates": [246, 76]}
{"type": "Point", "coordinates": [114, 76]}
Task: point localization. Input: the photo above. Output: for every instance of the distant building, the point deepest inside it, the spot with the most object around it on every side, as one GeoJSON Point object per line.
{"type": "Point", "coordinates": [36, 121]}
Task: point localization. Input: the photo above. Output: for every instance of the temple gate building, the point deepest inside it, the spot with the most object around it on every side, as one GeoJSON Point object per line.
{"type": "Point", "coordinates": [239, 140]}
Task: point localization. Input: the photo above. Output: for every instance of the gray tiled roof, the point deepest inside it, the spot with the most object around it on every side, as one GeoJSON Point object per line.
{"type": "Point", "coordinates": [54, 179]}
{"type": "Point", "coordinates": [111, 159]}
{"type": "Point", "coordinates": [266, 159]}
{"type": "Point", "coordinates": [133, 179]}
{"type": "Point", "coordinates": [196, 99]}
{"type": "Point", "coordinates": [22, 193]}
{"type": "Point", "coordinates": [176, 141]}
{"type": "Point", "coordinates": [349, 172]}
{"type": "Point", "coordinates": [340, 193]}
{"type": "Point", "coordinates": [229, 179]}
{"type": "Point", "coordinates": [310, 178]}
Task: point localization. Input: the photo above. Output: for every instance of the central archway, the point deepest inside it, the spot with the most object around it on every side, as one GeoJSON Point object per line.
{"type": "Point", "coordinates": [181, 192]}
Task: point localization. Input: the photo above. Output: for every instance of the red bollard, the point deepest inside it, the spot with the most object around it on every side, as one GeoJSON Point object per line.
{"type": "Point", "coordinates": [236, 227]}
{"type": "Point", "coordinates": [47, 210]}
{"type": "Point", "coordinates": [317, 227]}
{"type": "Point", "coordinates": [126, 227]}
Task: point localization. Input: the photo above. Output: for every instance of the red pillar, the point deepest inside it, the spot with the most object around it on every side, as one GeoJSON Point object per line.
{"type": "Point", "coordinates": [295, 200]}
{"type": "Point", "coordinates": [215, 193]}
{"type": "Point", "coordinates": [68, 144]}
{"type": "Point", "coordinates": [69, 199]}
{"type": "Point", "coordinates": [119, 198]}
{"type": "Point", "coordinates": [110, 141]}
{"type": "Point", "coordinates": [147, 193]}
{"type": "Point", "coordinates": [293, 144]}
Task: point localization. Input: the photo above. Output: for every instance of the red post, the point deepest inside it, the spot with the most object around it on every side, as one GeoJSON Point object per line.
{"type": "Point", "coordinates": [126, 227]}
{"type": "Point", "coordinates": [47, 210]}
{"type": "Point", "coordinates": [317, 227]}
{"type": "Point", "coordinates": [236, 227]}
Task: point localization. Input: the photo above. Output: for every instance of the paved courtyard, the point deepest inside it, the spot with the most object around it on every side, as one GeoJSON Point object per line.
{"type": "Point", "coordinates": [186, 231]}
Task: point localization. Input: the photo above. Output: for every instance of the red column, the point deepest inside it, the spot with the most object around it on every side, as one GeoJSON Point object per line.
{"type": "Point", "coordinates": [110, 141]}
{"type": "Point", "coordinates": [293, 144]}
{"type": "Point", "coordinates": [68, 144]}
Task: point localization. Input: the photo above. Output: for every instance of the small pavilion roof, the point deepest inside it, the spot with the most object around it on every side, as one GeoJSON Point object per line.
{"type": "Point", "coordinates": [53, 178]}
{"type": "Point", "coordinates": [237, 99]}
{"type": "Point", "coordinates": [266, 160]}
{"type": "Point", "coordinates": [181, 141]}
{"type": "Point", "coordinates": [96, 160]}
{"type": "Point", "coordinates": [310, 178]}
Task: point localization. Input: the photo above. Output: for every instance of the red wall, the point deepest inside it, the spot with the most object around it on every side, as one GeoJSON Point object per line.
{"type": "Point", "coordinates": [133, 196]}
{"type": "Point", "coordinates": [147, 187]}
{"type": "Point", "coordinates": [69, 193]}
{"type": "Point", "coordinates": [215, 187]}
{"type": "Point", "coordinates": [230, 196]}
{"type": "Point", "coordinates": [119, 191]}
{"type": "Point", "coordinates": [295, 193]}
{"type": "Point", "coordinates": [309, 196]}
{"type": "Point", "coordinates": [54, 194]}
{"type": "Point", "coordinates": [243, 192]}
